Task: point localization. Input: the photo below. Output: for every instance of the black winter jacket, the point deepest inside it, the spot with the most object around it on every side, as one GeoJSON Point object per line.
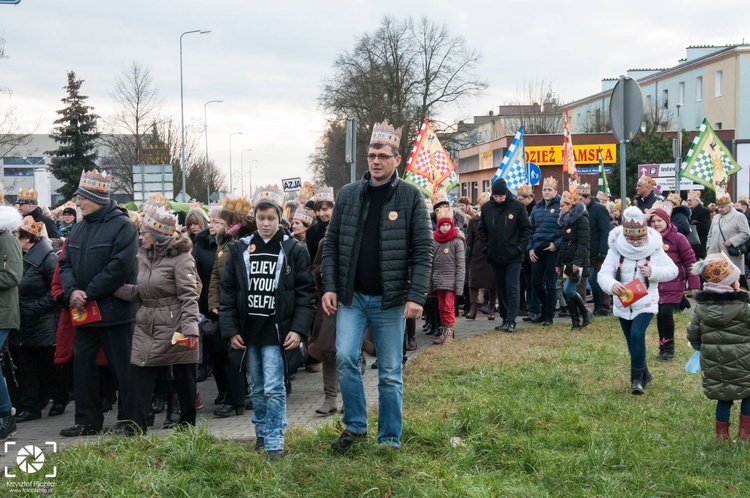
{"type": "Point", "coordinates": [575, 240]}
{"type": "Point", "coordinates": [204, 253]}
{"type": "Point", "coordinates": [701, 218]}
{"type": "Point", "coordinates": [505, 230]}
{"type": "Point", "coordinates": [295, 291]}
{"type": "Point", "coordinates": [39, 312]}
{"type": "Point", "coordinates": [681, 219]}
{"type": "Point", "coordinates": [50, 225]}
{"type": "Point", "coordinates": [405, 243]}
{"type": "Point", "coordinates": [599, 229]}
{"type": "Point", "coordinates": [99, 259]}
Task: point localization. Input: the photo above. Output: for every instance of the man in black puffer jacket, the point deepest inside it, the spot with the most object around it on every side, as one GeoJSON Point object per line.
{"type": "Point", "coordinates": [376, 262]}
{"type": "Point", "coordinates": [505, 230]}
{"type": "Point", "coordinates": [99, 259]}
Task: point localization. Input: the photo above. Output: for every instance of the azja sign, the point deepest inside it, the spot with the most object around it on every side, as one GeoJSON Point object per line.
{"type": "Point", "coordinates": [292, 184]}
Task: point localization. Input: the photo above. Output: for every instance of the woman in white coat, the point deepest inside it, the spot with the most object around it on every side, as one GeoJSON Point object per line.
{"type": "Point", "coordinates": [636, 252]}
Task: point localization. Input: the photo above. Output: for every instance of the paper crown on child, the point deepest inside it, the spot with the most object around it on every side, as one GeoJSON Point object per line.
{"type": "Point", "coordinates": [525, 190]}
{"type": "Point", "coordinates": [634, 223]}
{"type": "Point", "coordinates": [239, 205]}
{"type": "Point", "coordinates": [270, 194]}
{"type": "Point", "coordinates": [444, 213]}
{"type": "Point", "coordinates": [156, 216]}
{"type": "Point", "coordinates": [27, 196]}
{"type": "Point", "coordinates": [718, 271]}
{"type": "Point", "coordinates": [550, 182]}
{"type": "Point", "coordinates": [303, 217]}
{"type": "Point", "coordinates": [35, 228]}
{"type": "Point", "coordinates": [384, 133]}
{"type": "Point", "coordinates": [323, 193]}
{"type": "Point", "coordinates": [665, 206]}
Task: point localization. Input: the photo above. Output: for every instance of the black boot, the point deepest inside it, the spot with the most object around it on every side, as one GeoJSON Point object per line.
{"type": "Point", "coordinates": [575, 318]}
{"type": "Point", "coordinates": [636, 381]}
{"type": "Point", "coordinates": [173, 413]}
{"type": "Point", "coordinates": [583, 311]}
{"type": "Point", "coordinates": [667, 352]}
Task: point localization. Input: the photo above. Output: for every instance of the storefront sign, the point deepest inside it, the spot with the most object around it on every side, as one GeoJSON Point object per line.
{"type": "Point", "coordinates": [585, 154]}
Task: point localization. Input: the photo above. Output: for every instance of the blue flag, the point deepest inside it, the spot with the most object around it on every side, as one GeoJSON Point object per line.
{"type": "Point", "coordinates": [513, 166]}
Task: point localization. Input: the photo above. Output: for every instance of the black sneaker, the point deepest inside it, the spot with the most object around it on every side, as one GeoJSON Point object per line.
{"type": "Point", "coordinates": [530, 318]}
{"type": "Point", "coordinates": [260, 445]}
{"type": "Point", "coordinates": [345, 440]}
{"type": "Point", "coordinates": [502, 327]}
{"type": "Point", "coordinates": [79, 430]}
{"type": "Point", "coordinates": [510, 327]}
{"type": "Point", "coordinates": [546, 323]}
{"type": "Point", "coordinates": [7, 427]}
{"type": "Point", "coordinates": [539, 319]}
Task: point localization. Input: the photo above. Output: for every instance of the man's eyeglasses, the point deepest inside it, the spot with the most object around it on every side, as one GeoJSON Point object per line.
{"type": "Point", "coordinates": [382, 157]}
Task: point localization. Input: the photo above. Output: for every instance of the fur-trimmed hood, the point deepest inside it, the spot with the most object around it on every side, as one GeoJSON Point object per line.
{"type": "Point", "coordinates": [174, 246]}
{"type": "Point", "coordinates": [10, 219]}
{"type": "Point", "coordinates": [573, 215]}
{"type": "Point", "coordinates": [708, 296]}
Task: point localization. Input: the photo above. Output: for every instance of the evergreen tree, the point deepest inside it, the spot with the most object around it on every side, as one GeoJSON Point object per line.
{"type": "Point", "coordinates": [76, 133]}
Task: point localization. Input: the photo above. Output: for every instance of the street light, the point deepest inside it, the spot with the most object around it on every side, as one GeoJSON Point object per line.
{"type": "Point", "coordinates": [205, 132]}
{"type": "Point", "coordinates": [242, 170]}
{"type": "Point", "coordinates": [250, 173]}
{"type": "Point", "coordinates": [183, 194]}
{"type": "Point", "coordinates": [231, 185]}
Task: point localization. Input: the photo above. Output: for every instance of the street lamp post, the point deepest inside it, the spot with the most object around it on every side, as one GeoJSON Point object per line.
{"type": "Point", "coordinates": [250, 174]}
{"type": "Point", "coordinates": [231, 185]}
{"type": "Point", "coordinates": [242, 170]}
{"type": "Point", "coordinates": [205, 132]}
{"type": "Point", "coordinates": [183, 194]}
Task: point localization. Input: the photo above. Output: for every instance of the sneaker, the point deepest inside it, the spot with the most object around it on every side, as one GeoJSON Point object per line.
{"type": "Point", "coordinates": [501, 327]}
{"type": "Point", "coordinates": [7, 427]}
{"type": "Point", "coordinates": [273, 455]}
{"type": "Point", "coordinates": [510, 327]}
{"type": "Point", "coordinates": [79, 430]}
{"type": "Point", "coordinates": [411, 344]}
{"type": "Point", "coordinates": [198, 402]}
{"type": "Point", "coordinates": [546, 323]}
{"type": "Point", "coordinates": [345, 440]}
{"type": "Point", "coordinates": [260, 445]}
{"type": "Point", "coordinates": [601, 312]}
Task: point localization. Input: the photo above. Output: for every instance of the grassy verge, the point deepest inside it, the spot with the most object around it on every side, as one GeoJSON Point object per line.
{"type": "Point", "coordinates": [543, 412]}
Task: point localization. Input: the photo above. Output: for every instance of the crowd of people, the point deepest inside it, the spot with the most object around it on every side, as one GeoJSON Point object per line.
{"type": "Point", "coordinates": [103, 305]}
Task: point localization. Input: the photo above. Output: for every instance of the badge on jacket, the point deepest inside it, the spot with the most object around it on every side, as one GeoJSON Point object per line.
{"type": "Point", "coordinates": [510, 216]}
{"type": "Point", "coordinates": [666, 247]}
{"type": "Point", "coordinates": [393, 216]}
{"type": "Point", "coordinates": [251, 248]}
{"type": "Point", "coordinates": [445, 251]}
{"type": "Point", "coordinates": [568, 230]}
{"type": "Point", "coordinates": [552, 210]}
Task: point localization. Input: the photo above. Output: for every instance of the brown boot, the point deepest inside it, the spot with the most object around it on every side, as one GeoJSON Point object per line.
{"type": "Point", "coordinates": [491, 312]}
{"type": "Point", "coordinates": [744, 427]}
{"type": "Point", "coordinates": [330, 388]}
{"type": "Point", "coordinates": [448, 335]}
{"type": "Point", "coordinates": [440, 339]}
{"type": "Point", "coordinates": [722, 430]}
{"type": "Point", "coordinates": [472, 314]}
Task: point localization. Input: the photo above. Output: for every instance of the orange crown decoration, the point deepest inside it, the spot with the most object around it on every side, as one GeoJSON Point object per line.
{"type": "Point", "coordinates": [33, 227]}
{"type": "Point", "coordinates": [95, 186]}
{"type": "Point", "coordinates": [444, 212]}
{"type": "Point", "coordinates": [722, 198]}
{"type": "Point", "coordinates": [157, 217]}
{"type": "Point", "coordinates": [323, 193]}
{"type": "Point", "coordinates": [665, 206]}
{"type": "Point", "coordinates": [584, 189]}
{"type": "Point", "coordinates": [269, 193]}
{"type": "Point", "coordinates": [716, 268]}
{"type": "Point", "coordinates": [27, 196]}
{"type": "Point", "coordinates": [302, 216]}
{"type": "Point", "coordinates": [384, 133]}
{"type": "Point", "coordinates": [571, 198]}
{"type": "Point", "coordinates": [675, 199]}
{"type": "Point", "coordinates": [525, 190]}
{"type": "Point", "coordinates": [239, 205]}
{"type": "Point", "coordinates": [634, 223]}
{"type": "Point", "coordinates": [550, 182]}
{"type": "Point", "coordinates": [306, 192]}
{"type": "Point", "coordinates": [694, 194]}
{"type": "Point", "coordinates": [646, 180]}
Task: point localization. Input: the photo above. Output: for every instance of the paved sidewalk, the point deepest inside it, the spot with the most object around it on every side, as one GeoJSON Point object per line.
{"type": "Point", "coordinates": [307, 395]}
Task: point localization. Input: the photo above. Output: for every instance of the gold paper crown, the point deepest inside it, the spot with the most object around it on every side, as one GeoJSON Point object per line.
{"type": "Point", "coordinates": [584, 189]}
{"type": "Point", "coordinates": [306, 193]}
{"type": "Point", "coordinates": [719, 268]}
{"type": "Point", "coordinates": [743, 198]}
{"type": "Point", "coordinates": [302, 216]}
{"type": "Point", "coordinates": [27, 196]}
{"type": "Point", "coordinates": [571, 198]}
{"type": "Point", "coordinates": [239, 206]}
{"type": "Point", "coordinates": [95, 181]}
{"type": "Point", "coordinates": [384, 133]}
{"type": "Point", "coordinates": [443, 212]}
{"type": "Point", "coordinates": [33, 227]}
{"type": "Point", "coordinates": [602, 195]}
{"type": "Point", "coordinates": [323, 193]}
{"type": "Point", "coordinates": [525, 190]}
{"type": "Point", "coordinates": [438, 198]}
{"type": "Point", "coordinates": [722, 198]}
{"type": "Point", "coordinates": [646, 180]}
{"type": "Point", "coordinates": [269, 193]}
{"type": "Point", "coordinates": [633, 228]}
{"type": "Point", "coordinates": [157, 217]}
{"type": "Point", "coordinates": [485, 196]}
{"type": "Point", "coordinates": [664, 206]}
{"type": "Point", "coordinates": [694, 194]}
{"type": "Point", "coordinates": [675, 198]}
{"type": "Point", "coordinates": [550, 182]}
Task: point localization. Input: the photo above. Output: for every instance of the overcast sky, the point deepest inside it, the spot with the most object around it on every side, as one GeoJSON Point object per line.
{"type": "Point", "coordinates": [267, 60]}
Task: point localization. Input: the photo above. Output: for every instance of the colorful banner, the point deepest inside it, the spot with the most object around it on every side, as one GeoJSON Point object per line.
{"type": "Point", "coordinates": [568, 159]}
{"type": "Point", "coordinates": [429, 167]}
{"type": "Point", "coordinates": [513, 166]}
{"type": "Point", "coordinates": [708, 161]}
{"type": "Point", "coordinates": [603, 185]}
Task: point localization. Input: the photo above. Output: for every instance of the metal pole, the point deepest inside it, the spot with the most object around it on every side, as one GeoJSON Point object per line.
{"type": "Point", "coordinates": [678, 154]}
{"type": "Point", "coordinates": [182, 111]}
{"type": "Point", "coordinates": [242, 170]}
{"type": "Point", "coordinates": [231, 185]}
{"type": "Point", "coordinates": [205, 132]}
{"type": "Point", "coordinates": [354, 150]}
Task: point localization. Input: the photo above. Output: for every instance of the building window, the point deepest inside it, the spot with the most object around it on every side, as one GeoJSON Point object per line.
{"type": "Point", "coordinates": [20, 161]}
{"type": "Point", "coordinates": [18, 171]}
{"type": "Point", "coordinates": [648, 103]}
{"type": "Point", "coordinates": [699, 89]}
{"type": "Point", "coordinates": [485, 186]}
{"type": "Point", "coordinates": [464, 189]}
{"type": "Point", "coordinates": [665, 99]}
{"type": "Point", "coordinates": [718, 125]}
{"type": "Point", "coordinates": [681, 93]}
{"type": "Point", "coordinates": [474, 191]}
{"type": "Point", "coordinates": [718, 82]}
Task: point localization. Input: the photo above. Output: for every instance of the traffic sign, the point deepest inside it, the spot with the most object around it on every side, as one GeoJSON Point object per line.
{"type": "Point", "coordinates": [534, 172]}
{"type": "Point", "coordinates": [626, 109]}
{"type": "Point", "coordinates": [9, 2]}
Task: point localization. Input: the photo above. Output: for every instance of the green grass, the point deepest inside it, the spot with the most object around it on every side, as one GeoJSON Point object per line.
{"type": "Point", "coordinates": [543, 412]}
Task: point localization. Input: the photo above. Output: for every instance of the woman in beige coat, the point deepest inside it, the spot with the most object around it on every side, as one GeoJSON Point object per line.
{"type": "Point", "coordinates": [729, 228]}
{"type": "Point", "coordinates": [166, 325]}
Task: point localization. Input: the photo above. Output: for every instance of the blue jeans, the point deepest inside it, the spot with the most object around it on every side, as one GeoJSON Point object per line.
{"type": "Point", "coordinates": [387, 332]}
{"type": "Point", "coordinates": [635, 336]}
{"type": "Point", "coordinates": [265, 374]}
{"type": "Point", "coordinates": [723, 409]}
{"type": "Point", "coordinates": [5, 405]}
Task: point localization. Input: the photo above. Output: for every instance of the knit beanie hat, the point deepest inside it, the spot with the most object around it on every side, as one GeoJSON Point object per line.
{"type": "Point", "coordinates": [499, 187]}
{"type": "Point", "coordinates": [718, 271]}
{"type": "Point", "coordinates": [95, 186]}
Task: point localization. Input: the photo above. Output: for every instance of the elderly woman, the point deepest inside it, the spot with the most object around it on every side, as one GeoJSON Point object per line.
{"type": "Point", "coordinates": [196, 221]}
{"type": "Point", "coordinates": [166, 326]}
{"type": "Point", "coordinates": [635, 254]}
{"type": "Point", "coordinates": [33, 345]}
{"type": "Point", "coordinates": [573, 259]}
{"type": "Point", "coordinates": [728, 234]}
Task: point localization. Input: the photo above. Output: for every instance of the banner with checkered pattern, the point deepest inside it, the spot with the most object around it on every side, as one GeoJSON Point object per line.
{"type": "Point", "coordinates": [513, 166]}
{"type": "Point", "coordinates": [708, 161]}
{"type": "Point", "coordinates": [429, 167]}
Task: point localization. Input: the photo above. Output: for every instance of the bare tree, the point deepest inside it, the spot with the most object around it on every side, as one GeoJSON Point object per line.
{"type": "Point", "coordinates": [404, 72]}
{"type": "Point", "coordinates": [138, 107]}
{"type": "Point", "coordinates": [536, 107]}
{"type": "Point", "coordinates": [195, 182]}
{"type": "Point", "coordinates": [10, 135]}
